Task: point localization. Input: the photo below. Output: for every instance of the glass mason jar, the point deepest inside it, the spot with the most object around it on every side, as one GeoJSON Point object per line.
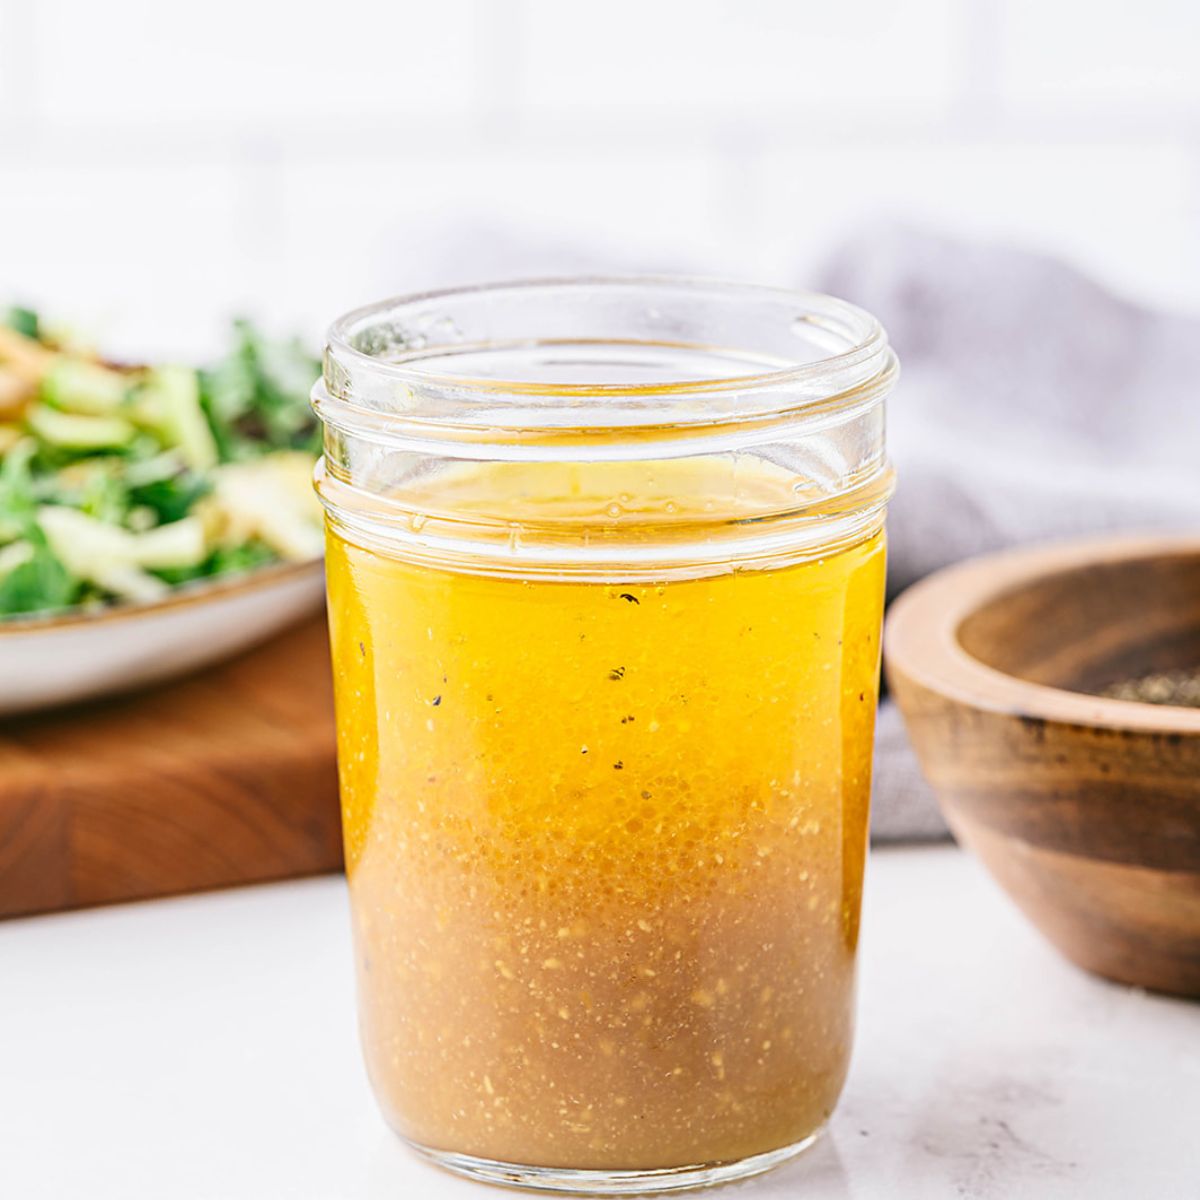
{"type": "Point", "coordinates": [606, 574]}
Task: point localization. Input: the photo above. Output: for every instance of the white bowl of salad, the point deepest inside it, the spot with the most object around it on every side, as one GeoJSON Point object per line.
{"type": "Point", "coordinates": [152, 518]}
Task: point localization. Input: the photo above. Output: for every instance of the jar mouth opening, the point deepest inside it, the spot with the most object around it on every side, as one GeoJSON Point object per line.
{"type": "Point", "coordinates": [606, 424]}
{"type": "Point", "coordinates": [736, 337]}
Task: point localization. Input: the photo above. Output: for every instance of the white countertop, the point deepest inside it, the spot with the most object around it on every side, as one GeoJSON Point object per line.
{"type": "Point", "coordinates": [205, 1049]}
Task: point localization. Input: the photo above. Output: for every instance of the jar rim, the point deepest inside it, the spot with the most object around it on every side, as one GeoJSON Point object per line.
{"type": "Point", "coordinates": [866, 343]}
{"type": "Point", "coordinates": [394, 427]}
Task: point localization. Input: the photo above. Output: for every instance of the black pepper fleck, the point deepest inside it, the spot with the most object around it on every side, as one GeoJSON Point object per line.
{"type": "Point", "coordinates": [436, 701]}
{"type": "Point", "coordinates": [618, 766]}
{"type": "Point", "coordinates": [617, 673]}
{"type": "Point", "coordinates": [362, 649]}
{"type": "Point", "coordinates": [630, 597]}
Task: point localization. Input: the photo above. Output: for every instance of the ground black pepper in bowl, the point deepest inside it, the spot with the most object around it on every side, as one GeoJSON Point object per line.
{"type": "Point", "coordinates": [1179, 688]}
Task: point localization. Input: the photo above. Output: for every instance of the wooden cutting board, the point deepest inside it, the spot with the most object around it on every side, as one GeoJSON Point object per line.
{"type": "Point", "coordinates": [226, 777]}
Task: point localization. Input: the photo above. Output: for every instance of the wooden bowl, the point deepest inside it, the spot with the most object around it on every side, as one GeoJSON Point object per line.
{"type": "Point", "coordinates": [1086, 810]}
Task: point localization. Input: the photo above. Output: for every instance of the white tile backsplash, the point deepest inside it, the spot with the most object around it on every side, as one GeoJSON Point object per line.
{"type": "Point", "coordinates": [163, 165]}
{"type": "Point", "coordinates": [721, 58]}
{"type": "Point", "coordinates": [16, 70]}
{"type": "Point", "coordinates": [251, 61]}
{"type": "Point", "coordinates": [1102, 57]}
{"type": "Point", "coordinates": [138, 253]}
{"type": "Point", "coordinates": [372, 226]}
{"type": "Point", "coordinates": [1124, 212]}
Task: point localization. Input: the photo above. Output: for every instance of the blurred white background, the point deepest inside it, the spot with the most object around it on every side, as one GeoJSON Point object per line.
{"type": "Point", "coordinates": [166, 165]}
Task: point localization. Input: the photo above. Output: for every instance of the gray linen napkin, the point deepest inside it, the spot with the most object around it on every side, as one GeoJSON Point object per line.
{"type": "Point", "coordinates": [1033, 405]}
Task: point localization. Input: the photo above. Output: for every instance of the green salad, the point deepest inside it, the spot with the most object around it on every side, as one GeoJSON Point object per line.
{"type": "Point", "coordinates": [118, 483]}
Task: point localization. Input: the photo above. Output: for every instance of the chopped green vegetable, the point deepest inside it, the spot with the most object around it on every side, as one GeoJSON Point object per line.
{"type": "Point", "coordinates": [84, 387]}
{"type": "Point", "coordinates": [18, 499]}
{"type": "Point", "coordinates": [23, 320]}
{"type": "Point", "coordinates": [171, 495]}
{"type": "Point", "coordinates": [119, 484]}
{"type": "Point", "coordinates": [272, 500]}
{"type": "Point", "coordinates": [14, 555]}
{"type": "Point", "coordinates": [101, 491]}
{"type": "Point", "coordinates": [74, 431]}
{"type": "Point", "coordinates": [172, 395]}
{"type": "Point", "coordinates": [222, 561]}
{"type": "Point", "coordinates": [179, 544]}
{"type": "Point", "coordinates": [116, 559]}
{"type": "Point", "coordinates": [257, 397]}
{"type": "Point", "coordinates": [37, 582]}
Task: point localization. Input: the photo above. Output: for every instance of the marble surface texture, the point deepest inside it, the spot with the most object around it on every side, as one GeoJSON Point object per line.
{"type": "Point", "coordinates": [205, 1049]}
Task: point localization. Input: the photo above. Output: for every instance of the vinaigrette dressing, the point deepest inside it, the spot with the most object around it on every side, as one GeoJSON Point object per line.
{"type": "Point", "coordinates": [605, 837]}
